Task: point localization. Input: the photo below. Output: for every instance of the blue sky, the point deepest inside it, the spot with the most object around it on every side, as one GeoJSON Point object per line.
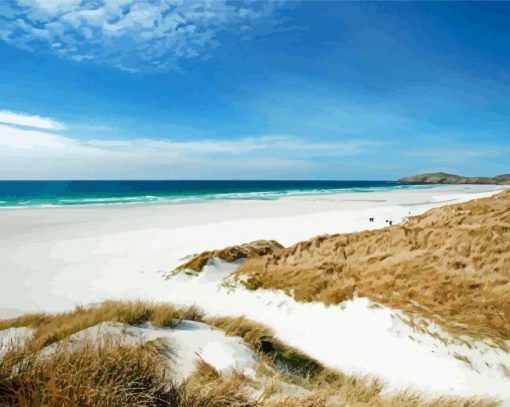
{"type": "Point", "coordinates": [256, 90]}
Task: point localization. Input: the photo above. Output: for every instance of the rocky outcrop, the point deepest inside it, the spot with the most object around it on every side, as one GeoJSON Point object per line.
{"type": "Point", "coordinates": [444, 178]}
{"type": "Point", "coordinates": [503, 179]}
{"type": "Point", "coordinates": [230, 254]}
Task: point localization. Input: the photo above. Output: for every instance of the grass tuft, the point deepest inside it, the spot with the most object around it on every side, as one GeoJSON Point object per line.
{"type": "Point", "coordinates": [262, 339]}
{"type": "Point", "coordinates": [103, 374]}
{"type": "Point", "coordinates": [52, 328]}
{"type": "Point", "coordinates": [229, 254]}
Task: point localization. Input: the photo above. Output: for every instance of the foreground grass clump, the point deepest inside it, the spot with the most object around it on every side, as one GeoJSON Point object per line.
{"type": "Point", "coordinates": [110, 374]}
{"type": "Point", "coordinates": [219, 390]}
{"type": "Point", "coordinates": [295, 366]}
{"type": "Point", "coordinates": [107, 372]}
{"type": "Point", "coordinates": [451, 265]}
{"type": "Point", "coordinates": [52, 328]}
{"type": "Point", "coordinates": [104, 374]}
{"type": "Point", "coordinates": [262, 339]}
{"type": "Point", "coordinates": [237, 390]}
{"type": "Point", "coordinates": [326, 387]}
{"type": "Point", "coordinates": [116, 376]}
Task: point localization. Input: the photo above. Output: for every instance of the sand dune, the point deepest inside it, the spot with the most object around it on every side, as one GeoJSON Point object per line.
{"type": "Point", "coordinates": [135, 353]}
{"type": "Point", "coordinates": [57, 258]}
{"type": "Point", "coordinates": [451, 264]}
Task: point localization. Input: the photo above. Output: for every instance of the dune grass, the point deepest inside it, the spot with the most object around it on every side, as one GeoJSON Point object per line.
{"type": "Point", "coordinates": [50, 328]}
{"type": "Point", "coordinates": [229, 254]}
{"type": "Point", "coordinates": [327, 387]}
{"type": "Point", "coordinates": [218, 389]}
{"type": "Point", "coordinates": [105, 374]}
{"type": "Point", "coordinates": [450, 265]}
{"type": "Point", "coordinates": [110, 373]}
{"type": "Point", "coordinates": [262, 339]}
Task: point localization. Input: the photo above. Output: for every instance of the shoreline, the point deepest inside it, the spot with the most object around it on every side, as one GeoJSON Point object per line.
{"type": "Point", "coordinates": [61, 257]}
{"type": "Point", "coordinates": [22, 194]}
{"type": "Point", "coordinates": [223, 197]}
{"type": "Point", "coordinates": [55, 260]}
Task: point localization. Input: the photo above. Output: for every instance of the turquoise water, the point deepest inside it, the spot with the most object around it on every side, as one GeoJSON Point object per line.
{"type": "Point", "coordinates": [68, 193]}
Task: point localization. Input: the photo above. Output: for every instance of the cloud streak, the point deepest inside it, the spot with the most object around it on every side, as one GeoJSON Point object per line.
{"type": "Point", "coordinates": [62, 157]}
{"type": "Point", "coordinates": [143, 35]}
{"type": "Point", "coordinates": [22, 119]}
{"type": "Point", "coordinates": [247, 145]}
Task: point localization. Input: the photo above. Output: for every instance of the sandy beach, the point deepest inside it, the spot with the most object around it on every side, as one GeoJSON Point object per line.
{"type": "Point", "coordinates": [58, 257]}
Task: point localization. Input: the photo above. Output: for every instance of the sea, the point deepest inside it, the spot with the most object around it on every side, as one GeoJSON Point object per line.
{"type": "Point", "coordinates": [69, 193]}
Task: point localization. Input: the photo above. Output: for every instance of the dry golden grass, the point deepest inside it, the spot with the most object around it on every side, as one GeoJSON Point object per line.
{"type": "Point", "coordinates": [451, 264]}
{"type": "Point", "coordinates": [230, 254]}
{"type": "Point", "coordinates": [113, 375]}
{"type": "Point", "coordinates": [109, 373]}
{"type": "Point", "coordinates": [237, 390]}
{"type": "Point", "coordinates": [51, 328]}
{"type": "Point", "coordinates": [262, 339]}
{"type": "Point", "coordinates": [105, 375]}
{"type": "Point", "coordinates": [327, 387]}
{"type": "Point", "coordinates": [220, 390]}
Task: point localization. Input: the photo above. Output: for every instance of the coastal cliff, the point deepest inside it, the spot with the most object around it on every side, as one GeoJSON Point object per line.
{"type": "Point", "coordinates": [445, 178]}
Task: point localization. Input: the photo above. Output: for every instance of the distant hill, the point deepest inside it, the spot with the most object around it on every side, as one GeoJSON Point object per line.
{"type": "Point", "coordinates": [444, 178]}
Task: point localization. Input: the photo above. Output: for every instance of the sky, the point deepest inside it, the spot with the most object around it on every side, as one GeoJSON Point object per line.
{"type": "Point", "coordinates": [168, 89]}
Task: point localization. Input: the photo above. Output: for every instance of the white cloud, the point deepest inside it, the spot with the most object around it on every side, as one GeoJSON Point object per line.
{"type": "Point", "coordinates": [248, 145]}
{"type": "Point", "coordinates": [37, 154]}
{"type": "Point", "coordinates": [22, 119]}
{"type": "Point", "coordinates": [20, 139]}
{"type": "Point", "coordinates": [131, 35]}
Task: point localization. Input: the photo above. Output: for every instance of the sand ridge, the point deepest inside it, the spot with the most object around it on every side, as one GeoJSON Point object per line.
{"type": "Point", "coordinates": [451, 264]}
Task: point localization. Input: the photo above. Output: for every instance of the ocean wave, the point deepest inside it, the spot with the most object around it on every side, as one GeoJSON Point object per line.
{"type": "Point", "coordinates": [109, 199]}
{"type": "Point", "coordinates": [194, 196]}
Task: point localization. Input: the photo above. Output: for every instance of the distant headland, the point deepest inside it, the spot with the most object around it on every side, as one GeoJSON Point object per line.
{"type": "Point", "coordinates": [444, 178]}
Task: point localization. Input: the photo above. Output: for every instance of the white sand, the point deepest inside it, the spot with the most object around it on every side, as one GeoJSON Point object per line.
{"type": "Point", "coordinates": [54, 258]}
{"type": "Point", "coordinates": [357, 337]}
{"type": "Point", "coordinates": [185, 345]}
